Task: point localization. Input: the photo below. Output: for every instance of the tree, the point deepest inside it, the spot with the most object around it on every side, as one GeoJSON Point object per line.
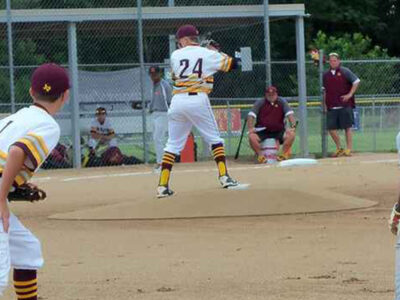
{"type": "Point", "coordinates": [25, 53]}
{"type": "Point", "coordinates": [376, 78]}
{"type": "Point", "coordinates": [379, 19]}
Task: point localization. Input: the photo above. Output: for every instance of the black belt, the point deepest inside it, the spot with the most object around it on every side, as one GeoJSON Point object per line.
{"type": "Point", "coordinates": [192, 94]}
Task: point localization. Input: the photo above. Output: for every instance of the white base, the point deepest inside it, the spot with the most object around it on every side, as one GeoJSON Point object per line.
{"type": "Point", "coordinates": [240, 186]}
{"type": "Point", "coordinates": [298, 162]}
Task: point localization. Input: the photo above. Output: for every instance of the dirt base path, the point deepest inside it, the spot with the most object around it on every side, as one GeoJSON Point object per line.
{"type": "Point", "coordinates": [337, 255]}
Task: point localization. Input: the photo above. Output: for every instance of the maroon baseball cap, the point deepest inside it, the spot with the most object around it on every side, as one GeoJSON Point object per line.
{"type": "Point", "coordinates": [50, 80]}
{"type": "Point", "coordinates": [186, 30]}
{"type": "Point", "coordinates": [271, 90]}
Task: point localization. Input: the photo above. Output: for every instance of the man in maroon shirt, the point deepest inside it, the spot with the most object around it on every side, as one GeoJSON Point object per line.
{"type": "Point", "coordinates": [340, 84]}
{"type": "Point", "coordinates": [267, 120]}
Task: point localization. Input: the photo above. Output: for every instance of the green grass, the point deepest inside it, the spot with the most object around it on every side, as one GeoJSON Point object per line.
{"type": "Point", "coordinates": [365, 140]}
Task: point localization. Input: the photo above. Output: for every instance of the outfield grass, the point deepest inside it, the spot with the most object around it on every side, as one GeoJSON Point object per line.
{"type": "Point", "coordinates": [377, 134]}
{"type": "Point", "coordinates": [363, 142]}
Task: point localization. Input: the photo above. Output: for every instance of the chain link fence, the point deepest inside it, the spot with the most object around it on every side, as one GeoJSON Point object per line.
{"type": "Point", "coordinates": [110, 76]}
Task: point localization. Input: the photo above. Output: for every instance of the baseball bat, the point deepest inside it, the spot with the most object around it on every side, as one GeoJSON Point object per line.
{"type": "Point", "coordinates": [240, 140]}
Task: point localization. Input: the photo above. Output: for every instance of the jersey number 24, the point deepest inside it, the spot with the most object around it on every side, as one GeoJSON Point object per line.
{"type": "Point", "coordinates": [197, 69]}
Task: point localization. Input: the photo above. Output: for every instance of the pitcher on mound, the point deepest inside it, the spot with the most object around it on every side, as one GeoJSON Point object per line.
{"type": "Point", "coordinates": [193, 67]}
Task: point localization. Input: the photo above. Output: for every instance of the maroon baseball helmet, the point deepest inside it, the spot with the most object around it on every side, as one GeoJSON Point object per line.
{"type": "Point", "coordinates": [187, 30]}
{"type": "Point", "coordinates": [50, 80]}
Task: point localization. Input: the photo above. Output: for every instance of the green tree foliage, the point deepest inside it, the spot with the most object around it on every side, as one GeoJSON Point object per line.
{"type": "Point", "coordinates": [377, 78]}
{"type": "Point", "coordinates": [350, 46]}
{"type": "Point", "coordinates": [25, 53]}
{"type": "Point", "coordinates": [379, 19]}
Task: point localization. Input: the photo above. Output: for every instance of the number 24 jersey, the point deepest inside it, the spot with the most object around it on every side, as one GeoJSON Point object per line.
{"type": "Point", "coordinates": [193, 68]}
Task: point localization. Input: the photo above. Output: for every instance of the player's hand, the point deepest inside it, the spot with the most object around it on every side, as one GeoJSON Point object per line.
{"type": "Point", "coordinates": [394, 220]}
{"type": "Point", "coordinates": [292, 130]}
{"type": "Point", "coordinates": [252, 131]}
{"type": "Point", "coordinates": [346, 97]}
{"type": "Point", "coordinates": [211, 47]}
{"type": "Point", "coordinates": [5, 215]}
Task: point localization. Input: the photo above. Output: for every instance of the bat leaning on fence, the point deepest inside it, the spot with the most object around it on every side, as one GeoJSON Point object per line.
{"type": "Point", "coordinates": [240, 140]}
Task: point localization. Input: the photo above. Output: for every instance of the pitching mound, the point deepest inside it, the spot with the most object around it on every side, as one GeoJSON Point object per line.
{"type": "Point", "coordinates": [222, 203]}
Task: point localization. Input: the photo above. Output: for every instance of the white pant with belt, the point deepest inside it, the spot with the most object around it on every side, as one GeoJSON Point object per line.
{"type": "Point", "coordinates": [160, 129]}
{"type": "Point", "coordinates": [111, 143]}
{"type": "Point", "coordinates": [19, 249]}
{"type": "Point", "coordinates": [185, 112]}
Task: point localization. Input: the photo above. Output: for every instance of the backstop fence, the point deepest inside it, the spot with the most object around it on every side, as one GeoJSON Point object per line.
{"type": "Point", "coordinates": [109, 46]}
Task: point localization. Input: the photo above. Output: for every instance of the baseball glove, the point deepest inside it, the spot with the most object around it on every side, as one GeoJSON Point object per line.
{"type": "Point", "coordinates": [211, 44]}
{"type": "Point", "coordinates": [394, 220]}
{"type": "Point", "coordinates": [27, 192]}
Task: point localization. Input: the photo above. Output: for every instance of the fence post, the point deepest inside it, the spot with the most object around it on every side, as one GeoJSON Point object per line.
{"type": "Point", "coordinates": [73, 71]}
{"type": "Point", "coordinates": [267, 44]}
{"type": "Point", "coordinates": [172, 43]}
{"type": "Point", "coordinates": [301, 77]}
{"type": "Point", "coordinates": [229, 126]}
{"type": "Point", "coordinates": [142, 74]}
{"type": "Point", "coordinates": [323, 109]}
{"type": "Point", "coordinates": [374, 124]}
{"type": "Point", "coordinates": [10, 55]}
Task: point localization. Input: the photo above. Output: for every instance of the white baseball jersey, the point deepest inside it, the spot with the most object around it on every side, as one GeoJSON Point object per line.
{"type": "Point", "coordinates": [193, 68]}
{"type": "Point", "coordinates": [34, 131]}
{"type": "Point", "coordinates": [105, 128]}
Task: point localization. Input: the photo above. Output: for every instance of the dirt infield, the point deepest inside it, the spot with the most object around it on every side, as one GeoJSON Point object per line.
{"type": "Point", "coordinates": [331, 255]}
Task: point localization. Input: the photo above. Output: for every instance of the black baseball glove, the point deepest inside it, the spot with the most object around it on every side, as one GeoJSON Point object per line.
{"type": "Point", "coordinates": [27, 192]}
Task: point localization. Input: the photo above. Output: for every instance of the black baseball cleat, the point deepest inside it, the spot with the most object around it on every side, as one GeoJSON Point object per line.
{"type": "Point", "coordinates": [227, 182]}
{"type": "Point", "coordinates": [164, 191]}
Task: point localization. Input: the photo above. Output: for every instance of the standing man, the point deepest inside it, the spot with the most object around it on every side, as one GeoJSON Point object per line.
{"type": "Point", "coordinates": [266, 120]}
{"type": "Point", "coordinates": [101, 131]}
{"type": "Point", "coordinates": [340, 85]}
{"type": "Point", "coordinates": [193, 68]}
{"type": "Point", "coordinates": [160, 101]}
{"type": "Point", "coordinates": [26, 139]}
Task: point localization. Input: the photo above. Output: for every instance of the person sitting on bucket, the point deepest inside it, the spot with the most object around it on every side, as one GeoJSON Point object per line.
{"type": "Point", "coordinates": [266, 120]}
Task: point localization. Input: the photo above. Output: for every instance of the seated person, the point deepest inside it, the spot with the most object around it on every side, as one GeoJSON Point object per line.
{"type": "Point", "coordinates": [267, 120]}
{"type": "Point", "coordinates": [101, 131]}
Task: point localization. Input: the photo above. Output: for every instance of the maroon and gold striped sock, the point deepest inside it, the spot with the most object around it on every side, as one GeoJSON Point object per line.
{"type": "Point", "coordinates": [168, 161]}
{"type": "Point", "coordinates": [218, 151]}
{"type": "Point", "coordinates": [25, 284]}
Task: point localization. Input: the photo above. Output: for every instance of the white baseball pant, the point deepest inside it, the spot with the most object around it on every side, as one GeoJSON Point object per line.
{"type": "Point", "coordinates": [185, 112]}
{"type": "Point", "coordinates": [397, 272]}
{"type": "Point", "coordinates": [93, 143]}
{"type": "Point", "coordinates": [160, 129]}
{"type": "Point", "coordinates": [19, 249]}
{"type": "Point", "coordinates": [398, 145]}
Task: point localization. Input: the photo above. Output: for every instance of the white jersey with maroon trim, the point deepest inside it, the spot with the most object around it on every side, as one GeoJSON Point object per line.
{"type": "Point", "coordinates": [193, 68]}
{"type": "Point", "coordinates": [35, 132]}
{"type": "Point", "coordinates": [105, 129]}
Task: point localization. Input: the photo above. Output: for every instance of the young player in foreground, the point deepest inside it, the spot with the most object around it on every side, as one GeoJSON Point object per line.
{"type": "Point", "coordinates": [26, 139]}
{"type": "Point", "coordinates": [193, 68]}
{"type": "Point", "coordinates": [394, 228]}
